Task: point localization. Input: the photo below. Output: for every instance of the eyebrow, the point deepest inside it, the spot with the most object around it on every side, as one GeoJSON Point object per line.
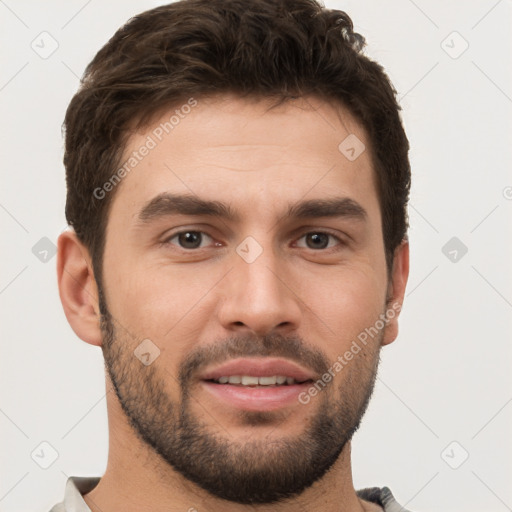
{"type": "Point", "coordinates": [177, 204]}
{"type": "Point", "coordinates": [167, 204]}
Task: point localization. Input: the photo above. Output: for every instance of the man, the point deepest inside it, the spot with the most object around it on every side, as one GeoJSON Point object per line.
{"type": "Point", "coordinates": [238, 178]}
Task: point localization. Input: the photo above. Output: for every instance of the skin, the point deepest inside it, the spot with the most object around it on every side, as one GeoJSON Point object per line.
{"type": "Point", "coordinates": [257, 161]}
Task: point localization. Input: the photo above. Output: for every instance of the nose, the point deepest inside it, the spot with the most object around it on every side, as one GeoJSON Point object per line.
{"type": "Point", "coordinates": [259, 296]}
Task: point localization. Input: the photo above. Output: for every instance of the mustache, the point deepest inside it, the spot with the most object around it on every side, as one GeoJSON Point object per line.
{"type": "Point", "coordinates": [272, 345]}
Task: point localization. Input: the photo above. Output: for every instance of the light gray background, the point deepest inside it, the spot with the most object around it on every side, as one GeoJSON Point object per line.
{"type": "Point", "coordinates": [447, 377]}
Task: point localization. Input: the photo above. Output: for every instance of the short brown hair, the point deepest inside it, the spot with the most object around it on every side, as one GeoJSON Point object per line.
{"type": "Point", "coordinates": [263, 48]}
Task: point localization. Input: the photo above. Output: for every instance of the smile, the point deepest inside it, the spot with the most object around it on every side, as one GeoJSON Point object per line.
{"type": "Point", "coordinates": [249, 380]}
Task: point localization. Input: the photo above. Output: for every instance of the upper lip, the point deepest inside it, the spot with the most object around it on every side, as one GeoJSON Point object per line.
{"type": "Point", "coordinates": [258, 367]}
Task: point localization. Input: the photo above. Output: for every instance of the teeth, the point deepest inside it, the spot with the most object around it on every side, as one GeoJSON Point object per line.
{"type": "Point", "coordinates": [249, 380]}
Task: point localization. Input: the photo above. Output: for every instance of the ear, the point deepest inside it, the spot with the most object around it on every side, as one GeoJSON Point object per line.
{"type": "Point", "coordinates": [77, 288]}
{"type": "Point", "coordinates": [396, 291]}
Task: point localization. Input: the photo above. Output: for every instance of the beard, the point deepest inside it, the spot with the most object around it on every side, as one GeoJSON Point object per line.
{"type": "Point", "coordinates": [259, 471]}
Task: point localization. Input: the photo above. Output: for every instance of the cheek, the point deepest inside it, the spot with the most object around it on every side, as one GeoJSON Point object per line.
{"type": "Point", "coordinates": [156, 301]}
{"type": "Point", "coordinates": [347, 301]}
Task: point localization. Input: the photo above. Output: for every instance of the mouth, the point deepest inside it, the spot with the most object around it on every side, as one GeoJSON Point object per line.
{"type": "Point", "coordinates": [255, 381]}
{"type": "Point", "coordinates": [257, 384]}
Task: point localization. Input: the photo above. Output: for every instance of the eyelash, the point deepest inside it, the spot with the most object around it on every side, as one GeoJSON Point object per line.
{"type": "Point", "coordinates": [167, 241]}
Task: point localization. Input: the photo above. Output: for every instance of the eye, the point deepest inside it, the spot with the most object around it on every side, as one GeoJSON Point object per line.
{"type": "Point", "coordinates": [188, 239]}
{"type": "Point", "coordinates": [319, 240]}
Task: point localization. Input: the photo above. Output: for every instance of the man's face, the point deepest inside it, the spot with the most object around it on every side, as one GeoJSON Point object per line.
{"type": "Point", "coordinates": [268, 291]}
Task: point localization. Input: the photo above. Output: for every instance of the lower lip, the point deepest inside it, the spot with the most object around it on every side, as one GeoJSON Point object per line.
{"type": "Point", "coordinates": [256, 398]}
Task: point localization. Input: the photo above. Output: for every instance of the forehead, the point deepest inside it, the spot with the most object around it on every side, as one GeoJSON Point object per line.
{"type": "Point", "coordinates": [241, 150]}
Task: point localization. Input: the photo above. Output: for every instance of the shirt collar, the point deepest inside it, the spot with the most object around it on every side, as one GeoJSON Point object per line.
{"type": "Point", "coordinates": [76, 486]}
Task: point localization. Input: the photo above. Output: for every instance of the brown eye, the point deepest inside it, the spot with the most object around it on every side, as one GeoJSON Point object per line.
{"type": "Point", "coordinates": [189, 239]}
{"type": "Point", "coordinates": [319, 240]}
